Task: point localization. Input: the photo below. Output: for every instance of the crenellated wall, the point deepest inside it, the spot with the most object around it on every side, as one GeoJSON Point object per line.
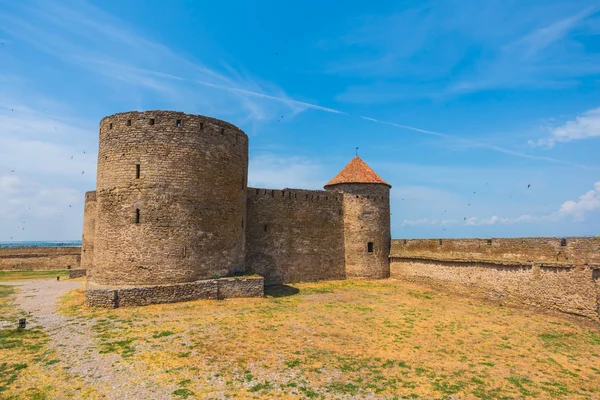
{"type": "Point", "coordinates": [295, 235]}
{"type": "Point", "coordinates": [550, 273]}
{"type": "Point", "coordinates": [543, 249]}
{"type": "Point", "coordinates": [39, 258]}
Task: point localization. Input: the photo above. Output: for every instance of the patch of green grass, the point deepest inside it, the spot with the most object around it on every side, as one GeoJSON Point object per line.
{"type": "Point", "coordinates": [292, 363]}
{"type": "Point", "coordinates": [266, 385]}
{"type": "Point", "coordinates": [421, 295]}
{"type": "Point", "coordinates": [18, 275]}
{"type": "Point", "coordinates": [555, 388]}
{"type": "Point", "coordinates": [555, 339]}
{"type": "Point", "coordinates": [520, 382]}
{"type": "Point", "coordinates": [183, 393]}
{"type": "Point", "coordinates": [162, 334]}
{"type": "Point", "coordinates": [344, 388]}
{"type": "Point", "coordinates": [122, 347]}
{"type": "Point", "coordinates": [9, 374]}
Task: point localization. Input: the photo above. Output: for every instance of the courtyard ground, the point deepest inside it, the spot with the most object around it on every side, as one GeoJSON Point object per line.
{"type": "Point", "coordinates": [331, 340]}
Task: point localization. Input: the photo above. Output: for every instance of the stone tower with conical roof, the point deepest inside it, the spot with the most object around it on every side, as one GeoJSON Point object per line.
{"type": "Point", "coordinates": [366, 211]}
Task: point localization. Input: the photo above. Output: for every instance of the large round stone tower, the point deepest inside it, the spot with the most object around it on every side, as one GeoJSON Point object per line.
{"type": "Point", "coordinates": [170, 199]}
{"type": "Point", "coordinates": [367, 236]}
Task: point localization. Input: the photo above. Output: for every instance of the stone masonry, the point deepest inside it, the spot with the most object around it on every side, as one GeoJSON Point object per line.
{"type": "Point", "coordinates": [172, 212]}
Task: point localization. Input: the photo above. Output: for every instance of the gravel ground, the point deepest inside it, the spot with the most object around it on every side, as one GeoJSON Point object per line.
{"type": "Point", "coordinates": [73, 341]}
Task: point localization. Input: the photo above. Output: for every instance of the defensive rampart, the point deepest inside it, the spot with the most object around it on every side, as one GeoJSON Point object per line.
{"type": "Point", "coordinates": [39, 258]}
{"type": "Point", "coordinates": [554, 273]}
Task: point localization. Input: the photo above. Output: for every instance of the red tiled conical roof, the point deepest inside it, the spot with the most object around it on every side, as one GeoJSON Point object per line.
{"type": "Point", "coordinates": [357, 171]}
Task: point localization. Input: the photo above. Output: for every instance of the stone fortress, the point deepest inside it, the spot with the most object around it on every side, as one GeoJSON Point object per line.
{"type": "Point", "coordinates": [173, 219]}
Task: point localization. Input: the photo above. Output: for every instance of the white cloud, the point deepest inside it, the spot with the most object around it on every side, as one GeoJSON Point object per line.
{"type": "Point", "coordinates": [587, 203]}
{"type": "Point", "coordinates": [586, 125]}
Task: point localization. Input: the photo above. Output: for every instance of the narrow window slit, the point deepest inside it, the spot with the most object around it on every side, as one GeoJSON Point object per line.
{"type": "Point", "coordinates": [178, 123]}
{"type": "Point", "coordinates": [137, 215]}
{"type": "Point", "coordinates": [151, 121]}
{"type": "Point", "coordinates": [370, 247]}
{"type": "Point", "coordinates": [110, 126]}
{"type": "Point", "coordinates": [137, 171]}
{"type": "Point", "coordinates": [128, 122]}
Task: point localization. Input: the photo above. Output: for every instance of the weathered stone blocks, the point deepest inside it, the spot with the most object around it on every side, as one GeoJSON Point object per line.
{"type": "Point", "coordinates": [209, 289]}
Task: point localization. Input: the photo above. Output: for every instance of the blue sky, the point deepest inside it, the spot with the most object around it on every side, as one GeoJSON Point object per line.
{"type": "Point", "coordinates": [459, 105]}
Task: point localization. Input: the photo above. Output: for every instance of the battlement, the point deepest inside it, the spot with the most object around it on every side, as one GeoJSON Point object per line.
{"type": "Point", "coordinates": [90, 196]}
{"type": "Point", "coordinates": [295, 194]}
{"type": "Point", "coordinates": [161, 119]}
{"type": "Point", "coordinates": [567, 250]}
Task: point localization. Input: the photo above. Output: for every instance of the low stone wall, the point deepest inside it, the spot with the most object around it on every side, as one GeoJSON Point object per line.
{"type": "Point", "coordinates": [541, 249]}
{"type": "Point", "coordinates": [76, 273]}
{"type": "Point", "coordinates": [223, 288]}
{"type": "Point", "coordinates": [39, 258]}
{"type": "Point", "coordinates": [569, 288]}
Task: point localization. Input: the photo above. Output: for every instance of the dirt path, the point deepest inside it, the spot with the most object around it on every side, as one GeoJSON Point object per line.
{"type": "Point", "coordinates": [73, 341]}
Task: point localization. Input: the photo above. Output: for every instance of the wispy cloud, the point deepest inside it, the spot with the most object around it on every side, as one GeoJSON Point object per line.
{"type": "Point", "coordinates": [474, 143]}
{"type": "Point", "coordinates": [447, 48]}
{"type": "Point", "coordinates": [584, 126]}
{"type": "Point", "coordinates": [110, 48]}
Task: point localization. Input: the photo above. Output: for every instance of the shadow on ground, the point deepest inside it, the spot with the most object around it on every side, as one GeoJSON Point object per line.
{"type": "Point", "coordinates": [280, 291]}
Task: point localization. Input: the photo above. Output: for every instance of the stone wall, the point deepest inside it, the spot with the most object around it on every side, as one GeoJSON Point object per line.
{"type": "Point", "coordinates": [543, 249]}
{"type": "Point", "coordinates": [89, 226]}
{"type": "Point", "coordinates": [114, 297]}
{"type": "Point", "coordinates": [76, 273]}
{"type": "Point", "coordinates": [538, 272]}
{"type": "Point", "coordinates": [295, 235]}
{"type": "Point", "coordinates": [39, 258]}
{"type": "Point", "coordinates": [366, 229]}
{"type": "Point", "coordinates": [170, 198]}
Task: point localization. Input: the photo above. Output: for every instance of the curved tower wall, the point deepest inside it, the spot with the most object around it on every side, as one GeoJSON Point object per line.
{"type": "Point", "coordinates": [182, 217]}
{"type": "Point", "coordinates": [366, 220]}
{"type": "Point", "coordinates": [87, 238]}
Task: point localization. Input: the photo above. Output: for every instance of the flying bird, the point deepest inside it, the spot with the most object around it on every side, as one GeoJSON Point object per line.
{"type": "Point", "coordinates": [528, 186]}
{"type": "Point", "coordinates": [82, 172]}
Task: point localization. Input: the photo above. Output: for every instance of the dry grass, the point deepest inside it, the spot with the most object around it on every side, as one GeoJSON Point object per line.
{"type": "Point", "coordinates": [28, 369]}
{"type": "Point", "coordinates": [349, 339]}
